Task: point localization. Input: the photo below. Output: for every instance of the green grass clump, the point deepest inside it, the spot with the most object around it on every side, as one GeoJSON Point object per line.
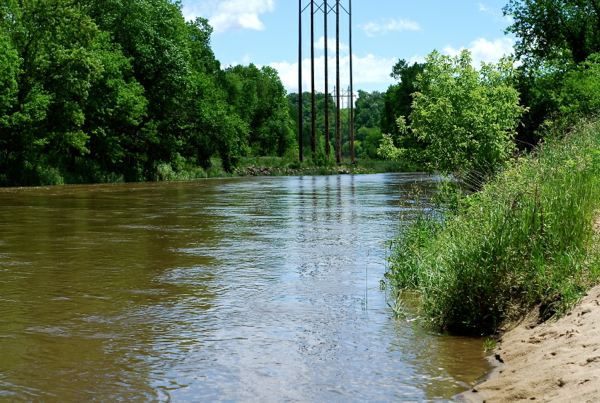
{"type": "Point", "coordinates": [526, 238]}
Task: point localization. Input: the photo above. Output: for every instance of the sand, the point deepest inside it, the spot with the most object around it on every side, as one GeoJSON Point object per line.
{"type": "Point", "coordinates": [556, 361]}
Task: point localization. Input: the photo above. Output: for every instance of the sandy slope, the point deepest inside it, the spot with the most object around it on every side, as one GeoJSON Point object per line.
{"type": "Point", "coordinates": [558, 361]}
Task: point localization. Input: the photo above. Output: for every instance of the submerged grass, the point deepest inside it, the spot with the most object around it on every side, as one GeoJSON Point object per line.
{"type": "Point", "coordinates": [526, 238]}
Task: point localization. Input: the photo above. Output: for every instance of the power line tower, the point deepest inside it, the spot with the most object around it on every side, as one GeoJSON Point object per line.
{"type": "Point", "coordinates": [326, 8]}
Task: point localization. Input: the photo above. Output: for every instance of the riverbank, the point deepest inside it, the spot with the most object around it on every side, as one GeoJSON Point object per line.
{"type": "Point", "coordinates": [86, 172]}
{"type": "Point", "coordinates": [525, 239]}
{"type": "Point", "coordinates": [274, 166]}
{"type": "Point", "coordinates": [555, 361]}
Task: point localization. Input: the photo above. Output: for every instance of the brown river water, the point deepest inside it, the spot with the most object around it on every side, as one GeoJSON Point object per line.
{"type": "Point", "coordinates": [236, 290]}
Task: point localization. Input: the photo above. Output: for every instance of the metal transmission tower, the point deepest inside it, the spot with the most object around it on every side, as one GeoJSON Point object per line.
{"type": "Point", "coordinates": [346, 99]}
{"type": "Point", "coordinates": [300, 82]}
{"type": "Point", "coordinates": [325, 8]}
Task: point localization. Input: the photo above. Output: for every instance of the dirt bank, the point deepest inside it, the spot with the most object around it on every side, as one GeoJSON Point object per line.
{"type": "Point", "coordinates": [557, 361]}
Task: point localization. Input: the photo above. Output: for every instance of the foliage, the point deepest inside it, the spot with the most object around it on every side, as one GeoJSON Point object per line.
{"type": "Point", "coordinates": [550, 29]}
{"type": "Point", "coordinates": [307, 120]}
{"type": "Point", "coordinates": [526, 238]}
{"type": "Point", "coordinates": [578, 95]}
{"type": "Point", "coordinates": [535, 85]}
{"type": "Point", "coordinates": [556, 39]}
{"type": "Point", "coordinates": [258, 97]}
{"type": "Point", "coordinates": [368, 109]}
{"type": "Point", "coordinates": [370, 140]}
{"type": "Point", "coordinates": [467, 117]}
{"type": "Point", "coordinates": [398, 102]}
{"type": "Point", "coordinates": [127, 87]}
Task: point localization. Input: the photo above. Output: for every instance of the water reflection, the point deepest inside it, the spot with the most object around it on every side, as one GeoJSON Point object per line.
{"type": "Point", "coordinates": [258, 289]}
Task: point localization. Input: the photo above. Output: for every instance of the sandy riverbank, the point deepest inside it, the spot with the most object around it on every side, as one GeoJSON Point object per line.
{"type": "Point", "coordinates": [557, 361]}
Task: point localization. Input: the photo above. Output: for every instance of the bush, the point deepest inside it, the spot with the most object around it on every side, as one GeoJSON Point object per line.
{"type": "Point", "coordinates": [465, 117]}
{"type": "Point", "coordinates": [526, 238]}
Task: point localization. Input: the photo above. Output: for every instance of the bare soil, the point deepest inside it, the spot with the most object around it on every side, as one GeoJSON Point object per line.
{"type": "Point", "coordinates": [556, 361]}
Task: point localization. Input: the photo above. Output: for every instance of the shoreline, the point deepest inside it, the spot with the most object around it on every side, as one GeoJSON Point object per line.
{"type": "Point", "coordinates": [248, 167]}
{"type": "Point", "coordinates": [553, 361]}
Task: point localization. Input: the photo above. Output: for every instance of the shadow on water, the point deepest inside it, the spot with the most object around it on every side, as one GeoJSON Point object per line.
{"type": "Point", "coordinates": [254, 289]}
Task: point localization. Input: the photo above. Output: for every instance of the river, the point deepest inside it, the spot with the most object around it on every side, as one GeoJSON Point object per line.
{"type": "Point", "coordinates": [240, 290]}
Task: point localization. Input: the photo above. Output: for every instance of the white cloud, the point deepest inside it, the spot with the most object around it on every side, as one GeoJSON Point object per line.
{"type": "Point", "coordinates": [388, 25]}
{"type": "Point", "coordinates": [320, 45]}
{"type": "Point", "coordinates": [496, 13]}
{"type": "Point", "coordinates": [483, 50]}
{"type": "Point", "coordinates": [369, 69]}
{"type": "Point", "coordinates": [228, 15]}
{"type": "Point", "coordinates": [484, 8]}
{"type": "Point", "coordinates": [416, 59]}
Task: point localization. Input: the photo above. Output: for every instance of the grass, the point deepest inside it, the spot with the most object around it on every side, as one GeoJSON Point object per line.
{"type": "Point", "coordinates": [57, 172]}
{"type": "Point", "coordinates": [525, 238]}
{"type": "Point", "coordinates": [489, 345]}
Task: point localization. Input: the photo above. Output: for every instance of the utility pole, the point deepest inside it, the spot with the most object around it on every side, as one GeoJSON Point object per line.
{"type": "Point", "coordinates": [327, 8]}
{"type": "Point", "coordinates": [300, 128]}
{"type": "Point", "coordinates": [327, 151]}
{"type": "Point", "coordinates": [338, 150]}
{"type": "Point", "coordinates": [351, 91]}
{"type": "Point", "coordinates": [312, 75]}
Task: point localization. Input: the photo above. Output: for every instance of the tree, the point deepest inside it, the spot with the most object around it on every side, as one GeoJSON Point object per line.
{"type": "Point", "coordinates": [368, 109]}
{"type": "Point", "coordinates": [320, 120]}
{"type": "Point", "coordinates": [398, 98]}
{"type": "Point", "coordinates": [467, 117]}
{"type": "Point", "coordinates": [398, 102]}
{"type": "Point", "coordinates": [187, 116]}
{"type": "Point", "coordinates": [555, 28]}
{"type": "Point", "coordinates": [555, 37]}
{"type": "Point", "coordinates": [578, 94]}
{"type": "Point", "coordinates": [121, 88]}
{"type": "Point", "coordinates": [115, 110]}
{"type": "Point", "coordinates": [259, 98]}
{"type": "Point", "coordinates": [9, 70]}
{"type": "Point", "coordinates": [369, 138]}
{"type": "Point", "coordinates": [56, 46]}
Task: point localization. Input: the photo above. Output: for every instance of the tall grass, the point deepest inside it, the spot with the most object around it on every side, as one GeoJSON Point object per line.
{"type": "Point", "coordinates": [525, 238]}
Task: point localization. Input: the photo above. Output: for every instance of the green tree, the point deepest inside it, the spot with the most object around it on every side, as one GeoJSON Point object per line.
{"type": "Point", "coordinates": [554, 38]}
{"type": "Point", "coordinates": [259, 98]}
{"type": "Point", "coordinates": [555, 28]}
{"type": "Point", "coordinates": [367, 118]}
{"type": "Point", "coordinates": [115, 110]}
{"type": "Point", "coordinates": [307, 121]}
{"type": "Point", "coordinates": [370, 139]}
{"type": "Point", "coordinates": [9, 70]}
{"type": "Point", "coordinates": [466, 116]}
{"type": "Point", "coordinates": [578, 94]}
{"type": "Point", "coordinates": [55, 44]}
{"type": "Point", "coordinates": [187, 116]}
{"type": "Point", "coordinates": [535, 84]}
{"type": "Point", "coordinates": [398, 102]}
{"type": "Point", "coordinates": [368, 109]}
{"type": "Point", "coordinates": [398, 98]}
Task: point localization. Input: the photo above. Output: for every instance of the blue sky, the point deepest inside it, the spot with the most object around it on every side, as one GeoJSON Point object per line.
{"type": "Point", "coordinates": [265, 32]}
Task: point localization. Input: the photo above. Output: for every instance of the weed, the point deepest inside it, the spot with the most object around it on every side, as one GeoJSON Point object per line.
{"type": "Point", "coordinates": [525, 238]}
{"type": "Point", "coordinates": [489, 345]}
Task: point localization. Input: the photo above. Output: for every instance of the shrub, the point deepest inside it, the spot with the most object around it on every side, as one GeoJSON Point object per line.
{"type": "Point", "coordinates": [526, 238]}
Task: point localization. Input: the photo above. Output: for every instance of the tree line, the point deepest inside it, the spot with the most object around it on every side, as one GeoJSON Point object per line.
{"type": "Point", "coordinates": [98, 89]}
{"type": "Point", "coordinates": [105, 90]}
